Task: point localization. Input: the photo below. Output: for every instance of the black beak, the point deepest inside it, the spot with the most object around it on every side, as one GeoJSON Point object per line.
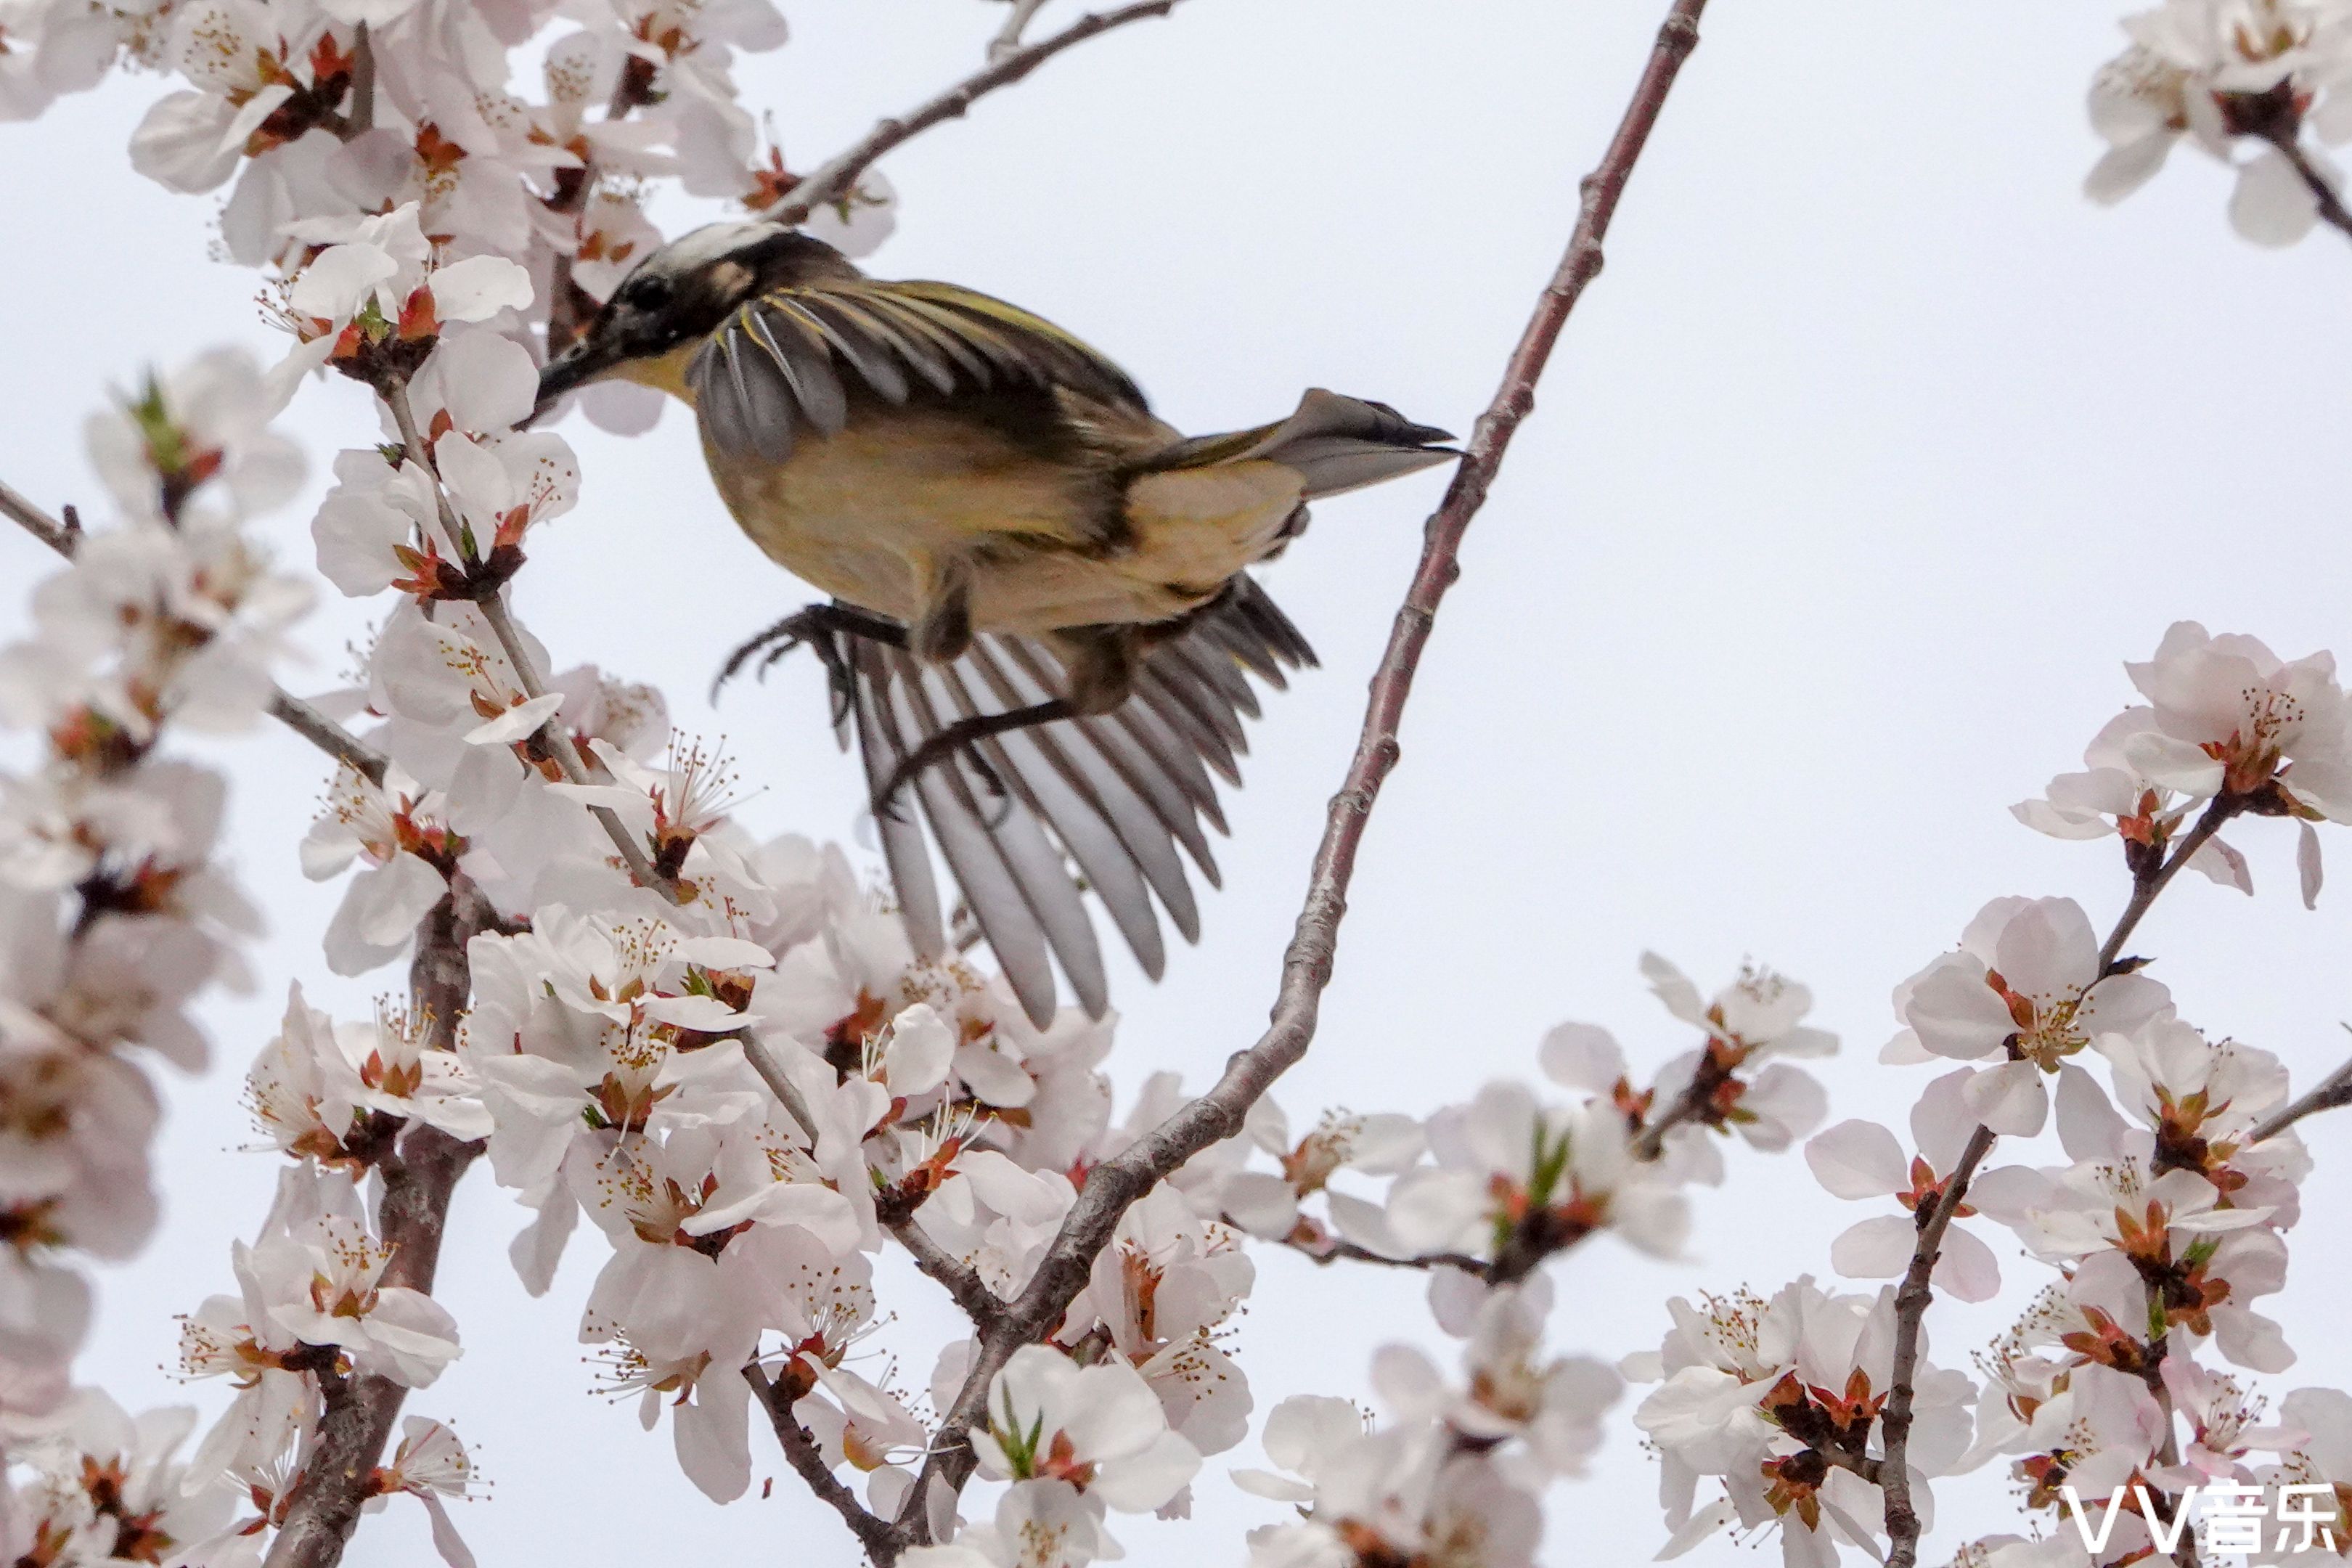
{"type": "Point", "coordinates": [576, 367]}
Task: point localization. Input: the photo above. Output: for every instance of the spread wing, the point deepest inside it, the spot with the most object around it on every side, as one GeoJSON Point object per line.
{"type": "Point", "coordinates": [794, 359]}
{"type": "Point", "coordinates": [1114, 806]}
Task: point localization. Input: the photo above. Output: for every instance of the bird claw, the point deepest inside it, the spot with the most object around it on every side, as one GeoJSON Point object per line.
{"type": "Point", "coordinates": [943, 747]}
{"type": "Point", "coordinates": [819, 628]}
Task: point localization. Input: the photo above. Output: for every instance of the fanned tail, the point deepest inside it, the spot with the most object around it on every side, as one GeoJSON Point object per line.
{"type": "Point", "coordinates": [1101, 804]}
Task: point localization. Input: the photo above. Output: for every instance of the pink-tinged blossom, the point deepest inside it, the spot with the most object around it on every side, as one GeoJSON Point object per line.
{"type": "Point", "coordinates": [1402, 1493]}
{"type": "Point", "coordinates": [101, 1485]}
{"type": "Point", "coordinates": [1044, 1523]}
{"type": "Point", "coordinates": [432, 1466]}
{"type": "Point", "coordinates": [1267, 1202]}
{"type": "Point", "coordinates": [1099, 1427]}
{"type": "Point", "coordinates": [380, 275]}
{"type": "Point", "coordinates": [197, 432]}
{"type": "Point", "coordinates": [2140, 785]}
{"type": "Point", "coordinates": [398, 829]}
{"type": "Point", "coordinates": [1166, 1291]}
{"type": "Point", "coordinates": [2217, 72]}
{"type": "Point", "coordinates": [2225, 1422]}
{"type": "Point", "coordinates": [2026, 985]}
{"type": "Point", "coordinates": [1857, 1160]}
{"type": "Point", "coordinates": [1506, 1160]}
{"type": "Point", "coordinates": [1755, 1393]}
{"type": "Point", "coordinates": [1510, 1389]}
{"type": "Point", "coordinates": [2277, 727]}
{"type": "Point", "coordinates": [319, 1271]}
{"type": "Point", "coordinates": [2318, 1454]}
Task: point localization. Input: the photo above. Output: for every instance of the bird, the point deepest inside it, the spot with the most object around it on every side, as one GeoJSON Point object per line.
{"type": "Point", "coordinates": [1040, 621]}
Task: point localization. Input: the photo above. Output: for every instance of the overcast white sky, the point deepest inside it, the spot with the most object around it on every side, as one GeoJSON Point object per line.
{"type": "Point", "coordinates": [1869, 458]}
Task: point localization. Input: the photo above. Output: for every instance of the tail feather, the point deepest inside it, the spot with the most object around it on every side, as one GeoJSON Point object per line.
{"type": "Point", "coordinates": [1335, 444]}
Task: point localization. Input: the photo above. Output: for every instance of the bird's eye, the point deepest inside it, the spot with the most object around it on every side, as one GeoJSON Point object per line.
{"type": "Point", "coordinates": [650, 293]}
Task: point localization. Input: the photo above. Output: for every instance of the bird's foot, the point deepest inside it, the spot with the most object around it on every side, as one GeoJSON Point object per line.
{"type": "Point", "coordinates": [964, 737]}
{"type": "Point", "coordinates": [820, 628]}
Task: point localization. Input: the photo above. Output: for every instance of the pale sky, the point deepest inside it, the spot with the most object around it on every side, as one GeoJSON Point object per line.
{"type": "Point", "coordinates": [1871, 455]}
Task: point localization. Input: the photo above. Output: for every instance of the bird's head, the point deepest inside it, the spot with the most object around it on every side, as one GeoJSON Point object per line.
{"type": "Point", "coordinates": [676, 296]}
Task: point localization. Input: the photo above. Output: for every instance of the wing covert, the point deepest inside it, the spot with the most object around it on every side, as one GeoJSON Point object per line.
{"type": "Point", "coordinates": [793, 360]}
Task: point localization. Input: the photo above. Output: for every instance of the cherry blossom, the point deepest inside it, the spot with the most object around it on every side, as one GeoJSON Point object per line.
{"type": "Point", "coordinates": [1863, 1160]}
{"type": "Point", "coordinates": [2027, 985]}
{"type": "Point", "coordinates": [1099, 1427]}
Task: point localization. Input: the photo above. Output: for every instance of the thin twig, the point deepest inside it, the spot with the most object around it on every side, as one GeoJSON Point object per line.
{"type": "Point", "coordinates": [1917, 1294]}
{"type": "Point", "coordinates": [1328, 1250]}
{"type": "Point", "coordinates": [362, 118]}
{"type": "Point", "coordinates": [36, 522]}
{"type": "Point", "coordinates": [558, 742]}
{"type": "Point", "coordinates": [337, 1479]}
{"type": "Point", "coordinates": [2332, 211]}
{"type": "Point", "coordinates": [837, 178]}
{"type": "Point", "coordinates": [493, 605]}
{"type": "Point", "coordinates": [2332, 1090]}
{"type": "Point", "coordinates": [1008, 38]}
{"type": "Point", "coordinates": [327, 735]}
{"type": "Point", "coordinates": [1115, 1184]}
{"type": "Point", "coordinates": [962, 1281]}
{"type": "Point", "coordinates": [290, 710]}
{"type": "Point", "coordinates": [2145, 889]}
{"type": "Point", "coordinates": [875, 1533]}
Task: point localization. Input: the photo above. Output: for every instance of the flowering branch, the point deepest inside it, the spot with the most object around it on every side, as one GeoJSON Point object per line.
{"type": "Point", "coordinates": [1912, 1299]}
{"type": "Point", "coordinates": [1115, 1185]}
{"type": "Point", "coordinates": [2331, 207]}
{"type": "Point", "coordinates": [559, 744]}
{"type": "Point", "coordinates": [875, 1534]}
{"type": "Point", "coordinates": [489, 599]}
{"type": "Point", "coordinates": [962, 1281]}
{"type": "Point", "coordinates": [837, 178]}
{"type": "Point", "coordinates": [419, 1178]}
{"type": "Point", "coordinates": [296, 715]}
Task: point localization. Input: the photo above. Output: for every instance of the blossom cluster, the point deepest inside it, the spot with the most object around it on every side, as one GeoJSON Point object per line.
{"type": "Point", "coordinates": [113, 914]}
{"type": "Point", "coordinates": [425, 228]}
{"type": "Point", "coordinates": [2155, 1236]}
{"type": "Point", "coordinates": [2240, 80]}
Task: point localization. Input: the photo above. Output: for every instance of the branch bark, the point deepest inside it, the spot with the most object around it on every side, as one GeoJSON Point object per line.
{"type": "Point", "coordinates": [419, 1179]}
{"type": "Point", "coordinates": [2332, 1090]}
{"type": "Point", "coordinates": [1116, 1183]}
{"type": "Point", "coordinates": [291, 712]}
{"type": "Point", "coordinates": [873, 1533]}
{"type": "Point", "coordinates": [838, 177]}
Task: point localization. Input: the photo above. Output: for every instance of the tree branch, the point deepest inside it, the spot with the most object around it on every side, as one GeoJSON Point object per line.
{"type": "Point", "coordinates": [1911, 1301]}
{"type": "Point", "coordinates": [296, 715]}
{"type": "Point", "coordinates": [1117, 1182]}
{"type": "Point", "coordinates": [2332, 1090]}
{"type": "Point", "coordinates": [1329, 1250]}
{"type": "Point", "coordinates": [2332, 211]}
{"type": "Point", "coordinates": [980, 1303]}
{"type": "Point", "coordinates": [837, 178]}
{"type": "Point", "coordinates": [419, 1178]}
{"type": "Point", "coordinates": [875, 1534]}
